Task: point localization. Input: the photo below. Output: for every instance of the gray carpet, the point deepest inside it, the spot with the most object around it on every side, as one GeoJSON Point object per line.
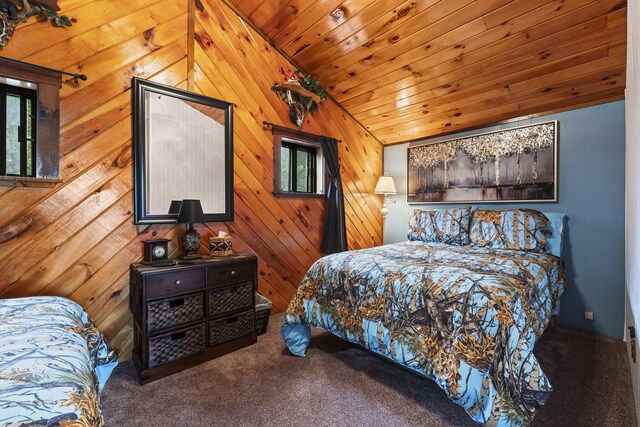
{"type": "Point", "coordinates": [338, 384]}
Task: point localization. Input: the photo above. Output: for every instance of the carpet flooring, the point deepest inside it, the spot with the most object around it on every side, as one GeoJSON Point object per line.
{"type": "Point", "coordinates": [339, 384]}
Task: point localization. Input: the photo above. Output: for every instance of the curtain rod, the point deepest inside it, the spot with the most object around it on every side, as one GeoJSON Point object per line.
{"type": "Point", "coordinates": [75, 76]}
{"type": "Point", "coordinates": [272, 125]}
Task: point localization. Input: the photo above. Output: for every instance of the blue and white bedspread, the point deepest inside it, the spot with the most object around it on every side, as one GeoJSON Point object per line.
{"type": "Point", "coordinates": [465, 317]}
{"type": "Point", "coordinates": [53, 364]}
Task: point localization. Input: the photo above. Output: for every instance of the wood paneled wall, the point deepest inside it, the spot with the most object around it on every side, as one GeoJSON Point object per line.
{"type": "Point", "coordinates": [82, 238]}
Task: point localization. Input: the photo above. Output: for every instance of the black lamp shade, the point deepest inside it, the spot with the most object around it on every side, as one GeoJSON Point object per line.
{"type": "Point", "coordinates": [174, 209]}
{"type": "Point", "coordinates": [190, 212]}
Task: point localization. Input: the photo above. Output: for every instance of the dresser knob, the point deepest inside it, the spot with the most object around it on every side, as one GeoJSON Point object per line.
{"type": "Point", "coordinates": [178, 282]}
{"type": "Point", "coordinates": [233, 273]}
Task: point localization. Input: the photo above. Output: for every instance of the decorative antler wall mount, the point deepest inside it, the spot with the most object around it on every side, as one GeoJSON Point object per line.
{"type": "Point", "coordinates": [11, 16]}
{"type": "Point", "coordinates": [302, 93]}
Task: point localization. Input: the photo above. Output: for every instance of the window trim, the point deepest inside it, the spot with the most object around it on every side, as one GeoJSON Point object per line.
{"type": "Point", "coordinates": [47, 123]}
{"type": "Point", "coordinates": [280, 136]}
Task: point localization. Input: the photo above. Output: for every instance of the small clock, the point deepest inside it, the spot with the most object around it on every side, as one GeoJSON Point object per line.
{"type": "Point", "coordinates": [156, 249]}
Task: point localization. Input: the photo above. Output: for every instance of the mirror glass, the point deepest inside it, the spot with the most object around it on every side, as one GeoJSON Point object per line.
{"type": "Point", "coordinates": [183, 150]}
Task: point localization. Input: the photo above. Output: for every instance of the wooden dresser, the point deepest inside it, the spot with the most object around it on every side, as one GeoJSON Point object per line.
{"type": "Point", "coordinates": [187, 314]}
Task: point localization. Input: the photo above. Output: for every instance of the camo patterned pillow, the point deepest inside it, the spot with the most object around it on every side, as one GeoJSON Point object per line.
{"type": "Point", "coordinates": [444, 226]}
{"type": "Point", "coordinates": [519, 229]}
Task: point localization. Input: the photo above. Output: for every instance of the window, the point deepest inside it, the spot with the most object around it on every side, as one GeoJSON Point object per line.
{"type": "Point", "coordinates": [298, 164]}
{"type": "Point", "coordinates": [29, 124]}
{"type": "Point", "coordinates": [17, 120]}
{"type": "Point", "coordinates": [297, 168]}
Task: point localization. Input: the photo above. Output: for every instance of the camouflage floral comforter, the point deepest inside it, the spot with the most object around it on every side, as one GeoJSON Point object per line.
{"type": "Point", "coordinates": [53, 362]}
{"type": "Point", "coordinates": [465, 317]}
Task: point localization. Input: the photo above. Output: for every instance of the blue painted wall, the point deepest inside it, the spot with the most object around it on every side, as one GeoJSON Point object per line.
{"type": "Point", "coordinates": [591, 191]}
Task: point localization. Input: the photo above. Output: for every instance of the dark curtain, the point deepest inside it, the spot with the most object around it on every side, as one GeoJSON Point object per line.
{"type": "Point", "coordinates": [334, 234]}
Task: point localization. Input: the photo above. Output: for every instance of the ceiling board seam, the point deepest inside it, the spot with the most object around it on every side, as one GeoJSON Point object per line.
{"type": "Point", "coordinates": [506, 121]}
{"type": "Point", "coordinates": [385, 36]}
{"type": "Point", "coordinates": [340, 85]}
{"type": "Point", "coordinates": [530, 93]}
{"type": "Point", "coordinates": [479, 48]}
{"type": "Point", "coordinates": [354, 36]}
{"type": "Point", "coordinates": [566, 104]}
{"type": "Point", "coordinates": [283, 36]}
{"type": "Point", "coordinates": [336, 29]}
{"type": "Point", "coordinates": [502, 65]}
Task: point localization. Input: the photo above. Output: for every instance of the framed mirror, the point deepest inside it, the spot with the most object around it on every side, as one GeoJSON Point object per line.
{"type": "Point", "coordinates": [182, 149]}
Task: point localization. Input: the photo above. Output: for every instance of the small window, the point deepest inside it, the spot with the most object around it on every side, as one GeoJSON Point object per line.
{"type": "Point", "coordinates": [299, 169]}
{"type": "Point", "coordinates": [29, 125]}
{"type": "Point", "coordinates": [18, 124]}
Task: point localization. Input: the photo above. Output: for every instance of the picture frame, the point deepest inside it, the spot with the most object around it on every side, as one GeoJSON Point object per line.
{"type": "Point", "coordinates": [518, 164]}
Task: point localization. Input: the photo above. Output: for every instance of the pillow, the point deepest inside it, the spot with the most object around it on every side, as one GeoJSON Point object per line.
{"type": "Point", "coordinates": [444, 226]}
{"type": "Point", "coordinates": [519, 229]}
{"type": "Point", "coordinates": [556, 227]}
{"type": "Point", "coordinates": [419, 228]}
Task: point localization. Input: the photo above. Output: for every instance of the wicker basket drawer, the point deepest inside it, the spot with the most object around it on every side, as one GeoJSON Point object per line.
{"type": "Point", "coordinates": [231, 327]}
{"type": "Point", "coordinates": [170, 312]}
{"type": "Point", "coordinates": [170, 347]}
{"type": "Point", "coordinates": [232, 298]}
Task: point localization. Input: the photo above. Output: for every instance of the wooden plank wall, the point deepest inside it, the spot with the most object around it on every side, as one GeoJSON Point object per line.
{"type": "Point", "coordinates": [82, 237]}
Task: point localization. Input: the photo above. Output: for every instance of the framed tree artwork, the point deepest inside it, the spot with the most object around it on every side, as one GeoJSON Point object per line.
{"type": "Point", "coordinates": [509, 165]}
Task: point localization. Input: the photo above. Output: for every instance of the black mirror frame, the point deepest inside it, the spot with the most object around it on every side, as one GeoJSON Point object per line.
{"type": "Point", "coordinates": [140, 86]}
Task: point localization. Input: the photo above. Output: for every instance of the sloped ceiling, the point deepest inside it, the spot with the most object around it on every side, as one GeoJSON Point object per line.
{"type": "Point", "coordinates": [407, 70]}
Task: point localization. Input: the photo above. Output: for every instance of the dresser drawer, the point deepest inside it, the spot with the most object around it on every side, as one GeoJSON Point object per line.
{"type": "Point", "coordinates": [160, 285]}
{"type": "Point", "coordinates": [166, 313]}
{"type": "Point", "coordinates": [225, 274]}
{"type": "Point", "coordinates": [169, 347]}
{"type": "Point", "coordinates": [223, 300]}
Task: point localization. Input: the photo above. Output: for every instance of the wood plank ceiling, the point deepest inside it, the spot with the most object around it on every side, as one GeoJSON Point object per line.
{"type": "Point", "coordinates": [411, 69]}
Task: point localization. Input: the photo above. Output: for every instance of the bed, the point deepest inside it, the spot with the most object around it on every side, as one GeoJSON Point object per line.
{"type": "Point", "coordinates": [466, 317]}
{"type": "Point", "coordinates": [53, 364]}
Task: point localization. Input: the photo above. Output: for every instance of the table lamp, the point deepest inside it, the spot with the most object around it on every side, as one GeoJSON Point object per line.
{"type": "Point", "coordinates": [191, 212]}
